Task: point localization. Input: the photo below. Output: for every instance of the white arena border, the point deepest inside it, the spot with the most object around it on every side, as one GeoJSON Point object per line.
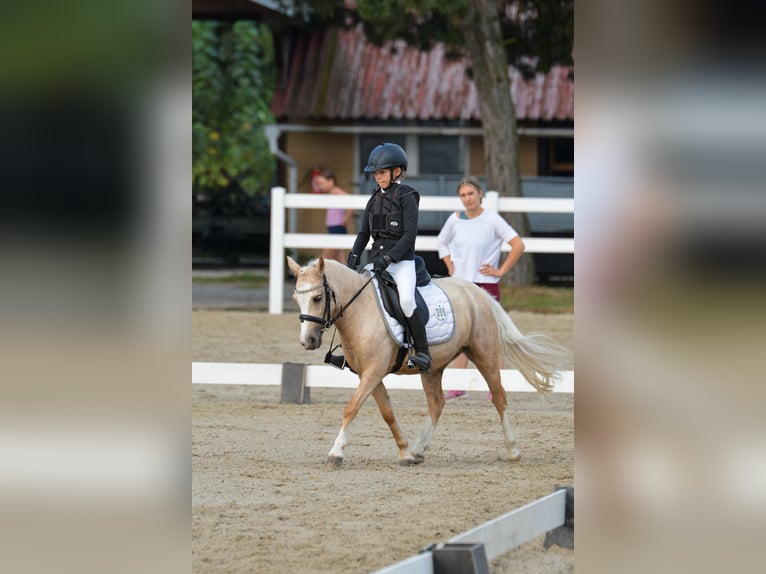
{"type": "Point", "coordinates": [331, 377]}
{"type": "Point", "coordinates": [499, 535]}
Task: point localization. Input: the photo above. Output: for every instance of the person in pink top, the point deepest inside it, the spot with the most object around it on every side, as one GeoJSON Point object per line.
{"type": "Point", "coordinates": [470, 244]}
{"type": "Point", "coordinates": [337, 220]}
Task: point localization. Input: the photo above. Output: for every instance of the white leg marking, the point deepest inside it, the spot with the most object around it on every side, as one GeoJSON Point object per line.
{"type": "Point", "coordinates": [337, 448]}
{"type": "Point", "coordinates": [424, 440]}
{"type": "Point", "coordinates": [510, 440]}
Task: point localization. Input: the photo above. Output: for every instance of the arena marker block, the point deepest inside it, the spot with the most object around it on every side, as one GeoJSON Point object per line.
{"type": "Point", "coordinates": [460, 558]}
{"type": "Point", "coordinates": [294, 389]}
{"type": "Point", "coordinates": [563, 536]}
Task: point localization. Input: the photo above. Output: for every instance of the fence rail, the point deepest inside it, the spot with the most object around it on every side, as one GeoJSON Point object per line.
{"type": "Point", "coordinates": [496, 536]}
{"type": "Point", "coordinates": [330, 377]}
{"type": "Point", "coordinates": [279, 241]}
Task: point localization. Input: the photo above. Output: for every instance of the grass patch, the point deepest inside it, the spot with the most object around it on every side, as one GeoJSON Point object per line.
{"type": "Point", "coordinates": [250, 279]}
{"type": "Point", "coordinates": [537, 298]}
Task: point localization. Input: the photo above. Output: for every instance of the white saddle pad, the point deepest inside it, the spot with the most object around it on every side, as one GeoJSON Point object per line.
{"type": "Point", "coordinates": [441, 321]}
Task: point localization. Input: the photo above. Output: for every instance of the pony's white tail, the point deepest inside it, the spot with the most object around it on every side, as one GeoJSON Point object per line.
{"type": "Point", "coordinates": [537, 356]}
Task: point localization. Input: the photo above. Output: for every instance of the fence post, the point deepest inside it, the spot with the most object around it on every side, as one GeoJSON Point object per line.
{"type": "Point", "coordinates": [277, 251]}
{"type": "Point", "coordinates": [492, 201]}
{"type": "Point", "coordinates": [459, 558]}
{"type": "Point", "coordinates": [563, 535]}
{"type": "Point", "coordinates": [294, 389]}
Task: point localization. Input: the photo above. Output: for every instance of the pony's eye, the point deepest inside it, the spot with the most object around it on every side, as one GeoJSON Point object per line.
{"type": "Point", "coordinates": [317, 299]}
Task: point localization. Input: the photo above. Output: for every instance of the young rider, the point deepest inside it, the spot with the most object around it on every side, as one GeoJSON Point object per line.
{"type": "Point", "coordinates": [391, 218]}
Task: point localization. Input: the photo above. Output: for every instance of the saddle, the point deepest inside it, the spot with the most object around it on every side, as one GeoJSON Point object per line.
{"type": "Point", "coordinates": [439, 320]}
{"type": "Point", "coordinates": [389, 294]}
{"type": "Point", "coordinates": [433, 306]}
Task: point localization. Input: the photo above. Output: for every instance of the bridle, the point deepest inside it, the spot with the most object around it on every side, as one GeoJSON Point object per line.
{"type": "Point", "coordinates": [325, 320]}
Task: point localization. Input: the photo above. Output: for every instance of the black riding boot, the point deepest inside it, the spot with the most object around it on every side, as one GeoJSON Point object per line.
{"type": "Point", "coordinates": [422, 358]}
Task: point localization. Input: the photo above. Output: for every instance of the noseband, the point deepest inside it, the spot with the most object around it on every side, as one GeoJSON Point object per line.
{"type": "Point", "coordinates": [325, 320]}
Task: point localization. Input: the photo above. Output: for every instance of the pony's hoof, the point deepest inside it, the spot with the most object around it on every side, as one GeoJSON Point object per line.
{"type": "Point", "coordinates": [416, 459]}
{"type": "Point", "coordinates": [514, 456]}
{"type": "Point", "coordinates": [334, 461]}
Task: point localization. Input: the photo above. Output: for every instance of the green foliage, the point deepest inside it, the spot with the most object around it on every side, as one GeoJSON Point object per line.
{"type": "Point", "coordinates": [537, 34]}
{"type": "Point", "coordinates": [419, 23]}
{"type": "Point", "coordinates": [540, 36]}
{"type": "Point", "coordinates": [232, 86]}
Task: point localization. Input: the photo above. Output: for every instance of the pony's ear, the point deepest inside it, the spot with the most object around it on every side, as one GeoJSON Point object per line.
{"type": "Point", "coordinates": [320, 264]}
{"type": "Point", "coordinates": [293, 265]}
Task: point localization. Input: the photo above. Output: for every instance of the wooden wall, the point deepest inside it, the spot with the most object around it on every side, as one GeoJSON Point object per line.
{"type": "Point", "coordinates": [333, 151]}
{"type": "Point", "coordinates": [527, 155]}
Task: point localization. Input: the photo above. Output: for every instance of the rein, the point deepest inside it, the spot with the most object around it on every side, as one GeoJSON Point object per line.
{"type": "Point", "coordinates": [325, 320]}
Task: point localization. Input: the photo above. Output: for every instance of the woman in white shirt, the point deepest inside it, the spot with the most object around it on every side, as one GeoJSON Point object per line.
{"type": "Point", "coordinates": [470, 244]}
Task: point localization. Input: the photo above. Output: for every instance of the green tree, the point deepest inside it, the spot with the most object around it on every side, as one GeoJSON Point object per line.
{"type": "Point", "coordinates": [232, 86]}
{"type": "Point", "coordinates": [531, 34]}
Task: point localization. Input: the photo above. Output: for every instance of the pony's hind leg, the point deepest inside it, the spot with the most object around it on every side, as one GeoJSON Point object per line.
{"type": "Point", "coordinates": [489, 369]}
{"type": "Point", "coordinates": [380, 394]}
{"type": "Point", "coordinates": [432, 385]}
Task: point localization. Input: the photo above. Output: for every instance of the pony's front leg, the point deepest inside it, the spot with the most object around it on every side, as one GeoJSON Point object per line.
{"type": "Point", "coordinates": [335, 456]}
{"type": "Point", "coordinates": [366, 386]}
{"type": "Point", "coordinates": [432, 385]}
{"type": "Point", "coordinates": [386, 410]}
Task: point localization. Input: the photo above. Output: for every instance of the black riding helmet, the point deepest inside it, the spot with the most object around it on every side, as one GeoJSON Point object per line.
{"type": "Point", "coordinates": [386, 155]}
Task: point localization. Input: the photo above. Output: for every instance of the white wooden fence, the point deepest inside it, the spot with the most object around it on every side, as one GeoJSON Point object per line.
{"type": "Point", "coordinates": [328, 376]}
{"type": "Point", "coordinates": [281, 200]}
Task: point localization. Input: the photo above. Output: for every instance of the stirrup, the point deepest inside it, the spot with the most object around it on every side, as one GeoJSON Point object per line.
{"type": "Point", "coordinates": [338, 361]}
{"type": "Point", "coordinates": [420, 360]}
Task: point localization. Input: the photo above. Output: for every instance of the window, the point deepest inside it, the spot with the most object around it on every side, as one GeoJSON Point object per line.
{"type": "Point", "coordinates": [441, 155]}
{"type": "Point", "coordinates": [556, 156]}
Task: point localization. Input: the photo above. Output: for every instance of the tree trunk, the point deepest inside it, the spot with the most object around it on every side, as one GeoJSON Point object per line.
{"type": "Point", "coordinates": [498, 118]}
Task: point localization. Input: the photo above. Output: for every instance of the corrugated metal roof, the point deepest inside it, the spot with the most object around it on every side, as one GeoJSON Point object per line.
{"type": "Point", "coordinates": [337, 75]}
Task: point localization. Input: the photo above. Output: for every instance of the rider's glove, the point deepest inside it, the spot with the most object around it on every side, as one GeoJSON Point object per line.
{"type": "Point", "coordinates": [353, 261]}
{"type": "Point", "coordinates": [381, 263]}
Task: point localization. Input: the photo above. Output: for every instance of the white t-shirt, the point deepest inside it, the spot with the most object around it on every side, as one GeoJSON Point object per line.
{"type": "Point", "coordinates": [472, 242]}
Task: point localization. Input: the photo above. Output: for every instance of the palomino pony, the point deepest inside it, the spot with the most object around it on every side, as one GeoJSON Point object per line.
{"type": "Point", "coordinates": [329, 293]}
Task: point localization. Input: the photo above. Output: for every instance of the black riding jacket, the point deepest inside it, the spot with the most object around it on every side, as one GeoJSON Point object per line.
{"type": "Point", "coordinates": [391, 219]}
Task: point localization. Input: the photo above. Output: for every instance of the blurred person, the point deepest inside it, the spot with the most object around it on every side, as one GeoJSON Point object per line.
{"type": "Point", "coordinates": [337, 219]}
{"type": "Point", "coordinates": [470, 244]}
{"type": "Point", "coordinates": [391, 218]}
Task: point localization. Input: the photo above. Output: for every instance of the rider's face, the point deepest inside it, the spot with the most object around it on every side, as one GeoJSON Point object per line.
{"type": "Point", "coordinates": [383, 176]}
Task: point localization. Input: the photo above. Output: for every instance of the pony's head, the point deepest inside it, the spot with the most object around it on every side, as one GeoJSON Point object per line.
{"type": "Point", "coordinates": [313, 296]}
